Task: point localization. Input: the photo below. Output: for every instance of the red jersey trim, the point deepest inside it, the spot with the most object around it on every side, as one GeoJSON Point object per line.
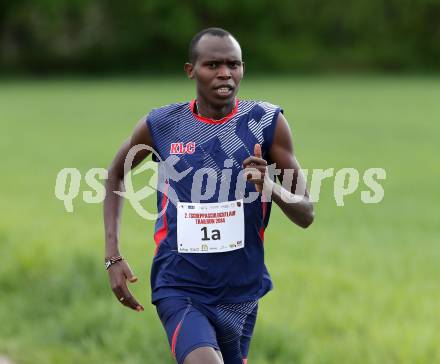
{"type": "Point", "coordinates": [212, 121]}
{"type": "Point", "coordinates": [161, 234]}
{"type": "Point", "coordinates": [264, 208]}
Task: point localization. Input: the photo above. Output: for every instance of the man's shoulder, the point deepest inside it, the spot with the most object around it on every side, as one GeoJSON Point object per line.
{"type": "Point", "coordinates": [267, 106]}
{"type": "Point", "coordinates": [168, 110]}
{"type": "Point", "coordinates": [259, 109]}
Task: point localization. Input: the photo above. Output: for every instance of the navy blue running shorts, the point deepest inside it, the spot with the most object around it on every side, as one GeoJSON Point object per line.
{"type": "Point", "coordinates": [225, 327]}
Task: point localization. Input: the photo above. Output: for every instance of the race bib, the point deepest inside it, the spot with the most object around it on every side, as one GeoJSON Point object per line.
{"type": "Point", "coordinates": [210, 227]}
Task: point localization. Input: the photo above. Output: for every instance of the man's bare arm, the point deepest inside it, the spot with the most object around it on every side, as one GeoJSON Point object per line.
{"type": "Point", "coordinates": [297, 208]}
{"type": "Point", "coordinates": [120, 272]}
{"type": "Point", "coordinates": [282, 154]}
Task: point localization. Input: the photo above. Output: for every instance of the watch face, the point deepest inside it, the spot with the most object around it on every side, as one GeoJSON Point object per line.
{"type": "Point", "coordinates": [108, 263]}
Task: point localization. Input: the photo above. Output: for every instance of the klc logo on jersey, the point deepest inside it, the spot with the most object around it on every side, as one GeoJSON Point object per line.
{"type": "Point", "coordinates": [182, 148]}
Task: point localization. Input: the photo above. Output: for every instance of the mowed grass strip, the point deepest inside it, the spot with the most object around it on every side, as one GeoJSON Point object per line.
{"type": "Point", "coordinates": [359, 286]}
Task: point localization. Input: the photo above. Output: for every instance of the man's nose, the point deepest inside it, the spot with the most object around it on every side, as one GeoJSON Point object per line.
{"type": "Point", "coordinates": [224, 72]}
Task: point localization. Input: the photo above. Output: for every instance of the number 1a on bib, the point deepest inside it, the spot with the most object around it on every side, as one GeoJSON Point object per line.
{"type": "Point", "coordinates": [215, 234]}
{"type": "Point", "coordinates": [210, 227]}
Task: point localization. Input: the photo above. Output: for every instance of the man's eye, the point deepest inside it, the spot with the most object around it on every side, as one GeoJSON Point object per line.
{"type": "Point", "coordinates": [212, 65]}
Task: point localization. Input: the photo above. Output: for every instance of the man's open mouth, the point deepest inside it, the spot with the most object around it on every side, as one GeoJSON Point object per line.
{"type": "Point", "coordinates": [224, 90]}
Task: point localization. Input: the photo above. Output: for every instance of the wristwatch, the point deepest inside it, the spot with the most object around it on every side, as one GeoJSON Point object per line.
{"type": "Point", "coordinates": [108, 262]}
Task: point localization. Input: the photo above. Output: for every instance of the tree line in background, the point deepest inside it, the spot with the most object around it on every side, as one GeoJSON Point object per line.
{"type": "Point", "coordinates": [141, 35]}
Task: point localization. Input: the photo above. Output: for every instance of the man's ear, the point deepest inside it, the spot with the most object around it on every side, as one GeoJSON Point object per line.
{"type": "Point", "coordinates": [242, 64]}
{"type": "Point", "coordinates": [189, 69]}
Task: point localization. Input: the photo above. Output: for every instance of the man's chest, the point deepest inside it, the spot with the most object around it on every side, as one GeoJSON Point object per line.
{"type": "Point", "coordinates": [212, 146]}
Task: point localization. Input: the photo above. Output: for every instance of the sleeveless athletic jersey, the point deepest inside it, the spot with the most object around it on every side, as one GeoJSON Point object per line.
{"type": "Point", "coordinates": [217, 145]}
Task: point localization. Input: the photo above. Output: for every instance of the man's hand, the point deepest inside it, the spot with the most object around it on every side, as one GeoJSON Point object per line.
{"type": "Point", "coordinates": [255, 168]}
{"type": "Point", "coordinates": [119, 273]}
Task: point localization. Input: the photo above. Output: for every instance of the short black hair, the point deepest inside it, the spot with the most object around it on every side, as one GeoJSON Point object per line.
{"type": "Point", "coordinates": [217, 32]}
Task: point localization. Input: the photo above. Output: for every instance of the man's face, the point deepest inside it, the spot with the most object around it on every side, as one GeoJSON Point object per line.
{"type": "Point", "coordinates": [218, 69]}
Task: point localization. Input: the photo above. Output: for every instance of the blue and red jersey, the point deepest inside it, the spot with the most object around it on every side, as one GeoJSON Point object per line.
{"type": "Point", "coordinates": [195, 142]}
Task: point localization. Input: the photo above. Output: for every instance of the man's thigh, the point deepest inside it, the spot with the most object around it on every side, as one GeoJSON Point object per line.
{"type": "Point", "coordinates": [204, 355]}
{"type": "Point", "coordinates": [190, 334]}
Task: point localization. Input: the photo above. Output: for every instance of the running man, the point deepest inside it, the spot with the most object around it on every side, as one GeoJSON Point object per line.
{"type": "Point", "coordinates": [208, 271]}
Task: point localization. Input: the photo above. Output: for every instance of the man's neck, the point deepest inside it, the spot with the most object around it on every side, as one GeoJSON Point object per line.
{"type": "Point", "coordinates": [210, 111]}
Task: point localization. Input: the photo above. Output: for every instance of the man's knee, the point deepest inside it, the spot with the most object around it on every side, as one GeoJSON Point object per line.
{"type": "Point", "coordinates": [204, 355]}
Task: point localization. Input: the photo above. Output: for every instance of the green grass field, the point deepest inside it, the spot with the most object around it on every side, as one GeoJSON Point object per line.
{"type": "Point", "coordinates": [361, 285]}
